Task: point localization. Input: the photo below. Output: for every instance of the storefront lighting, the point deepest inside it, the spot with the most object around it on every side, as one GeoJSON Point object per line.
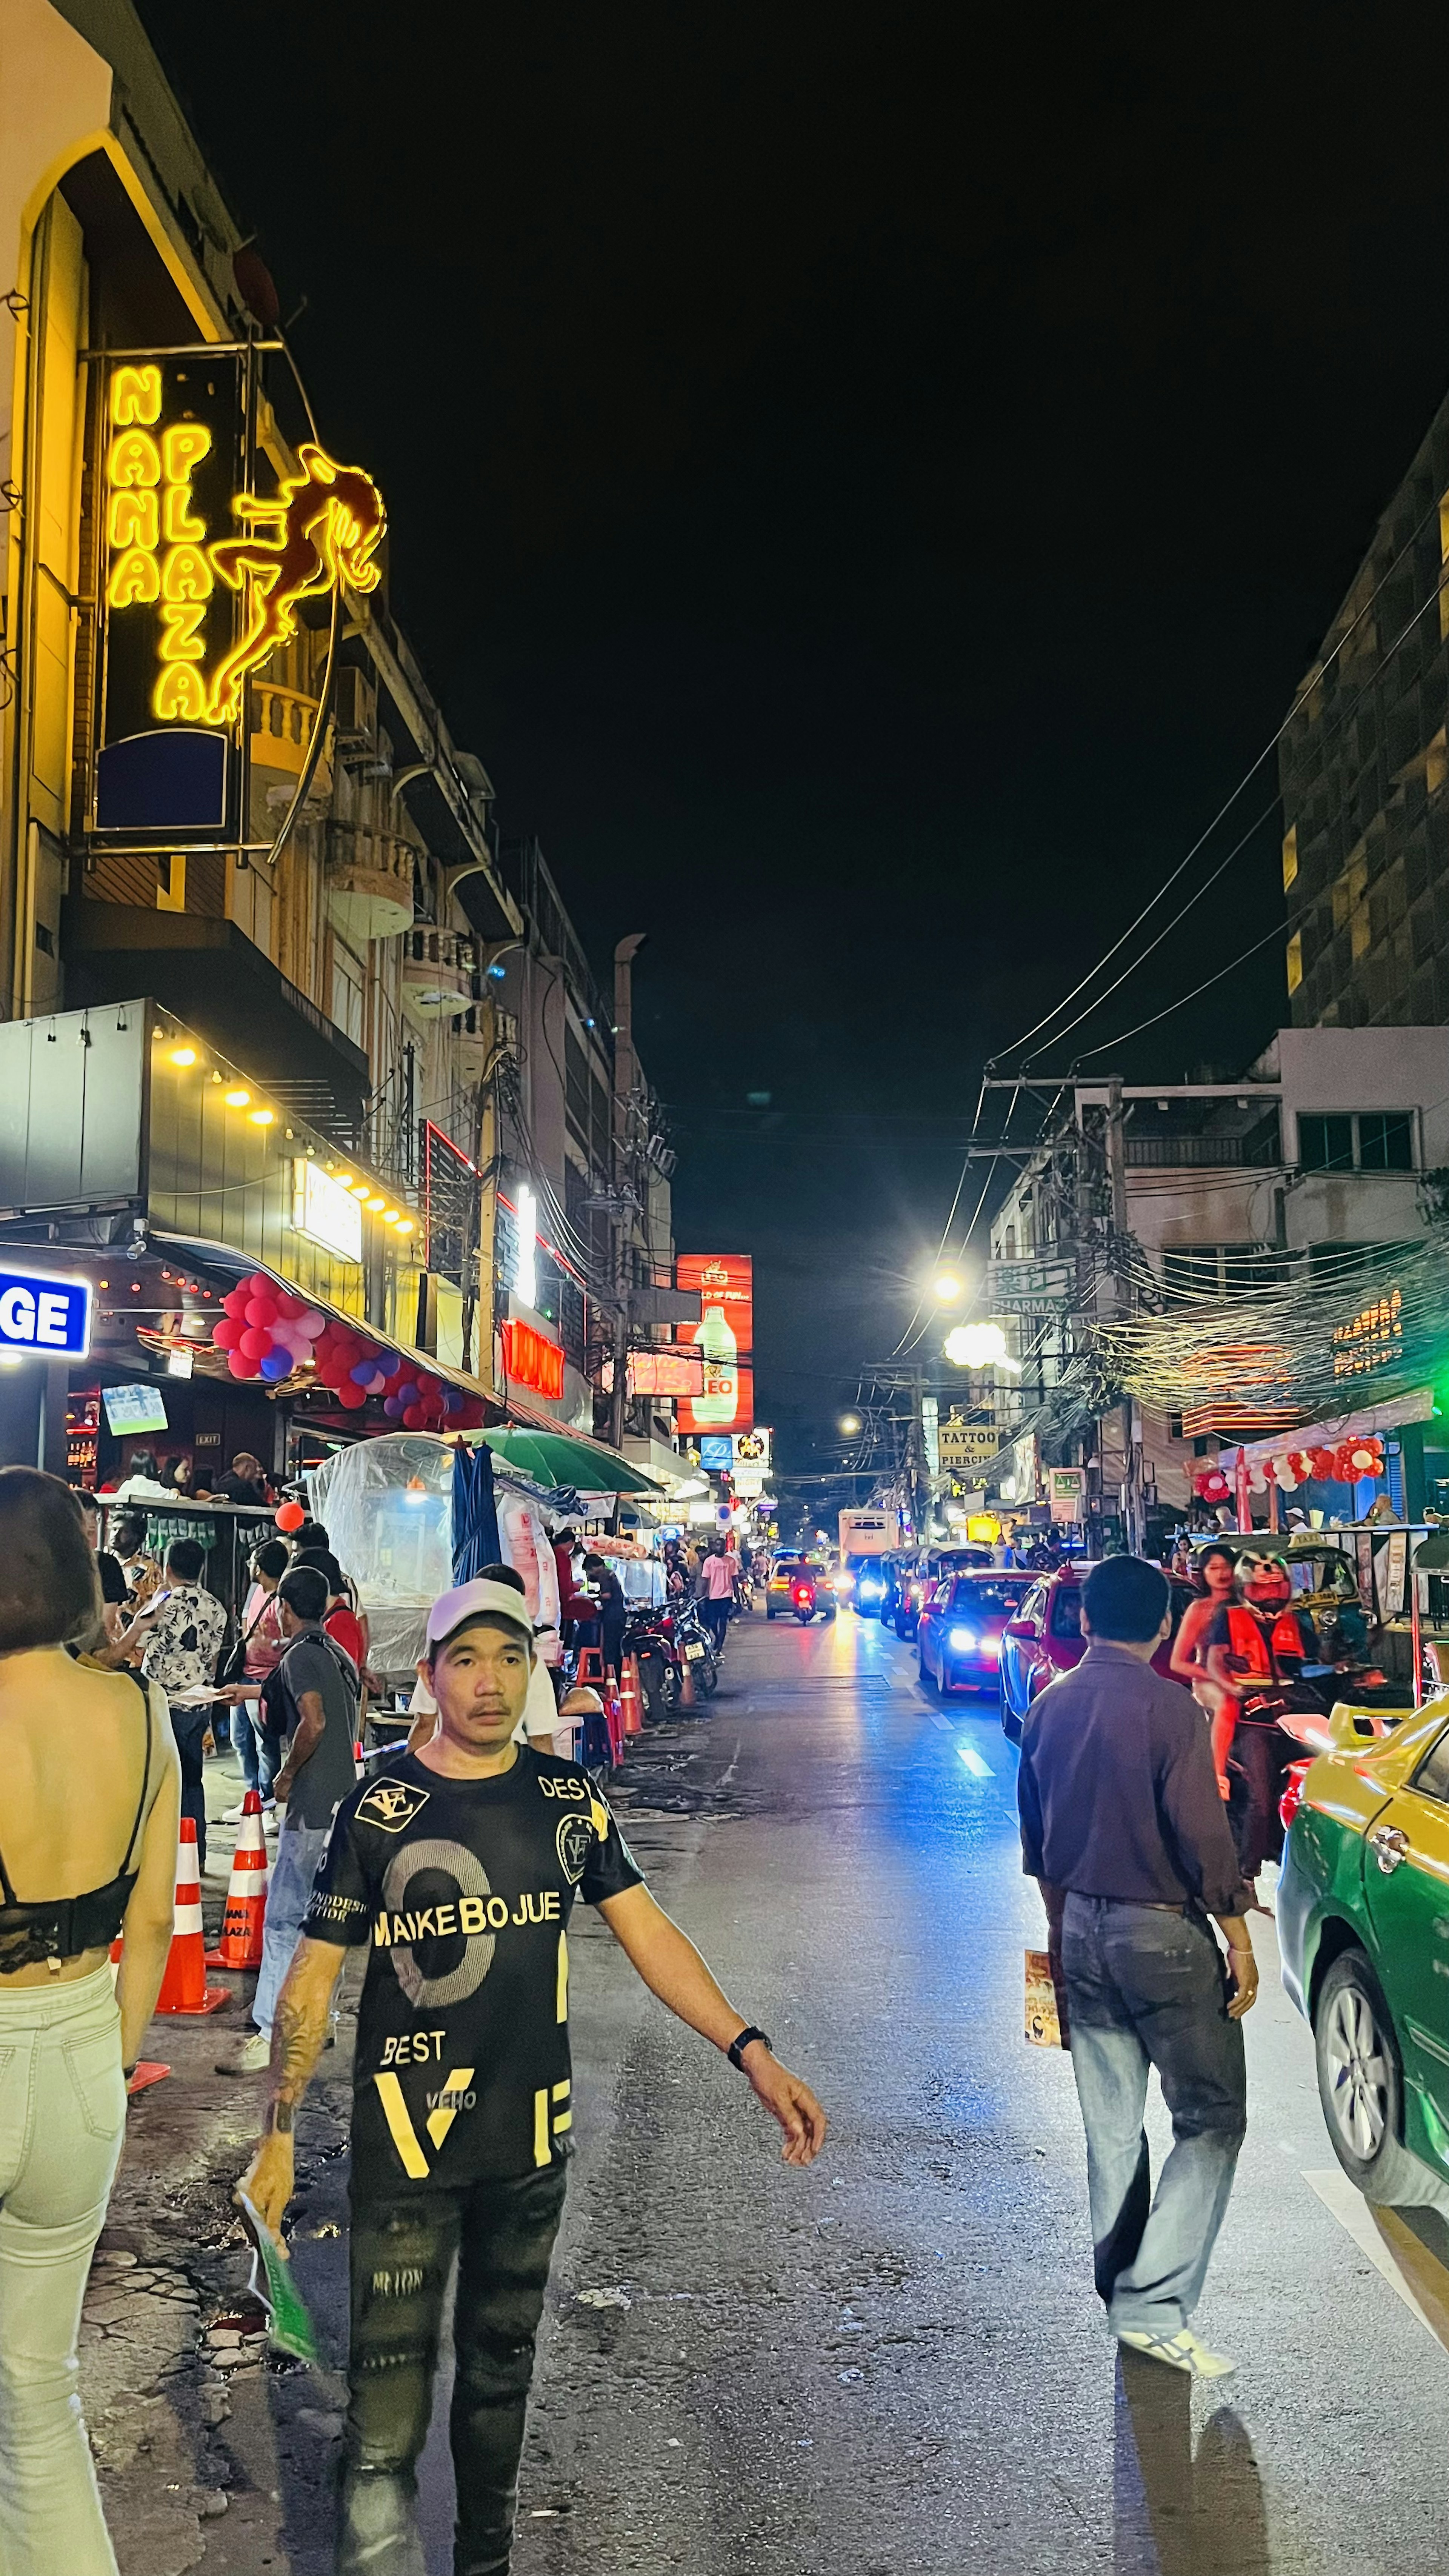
{"type": "Point", "coordinates": [360, 1189]}
{"type": "Point", "coordinates": [406, 1226]}
{"type": "Point", "coordinates": [343, 1179]}
{"type": "Point", "coordinates": [183, 1055]}
{"type": "Point", "coordinates": [263, 1117]}
{"type": "Point", "coordinates": [389, 1216]}
{"type": "Point", "coordinates": [237, 1099]}
{"type": "Point", "coordinates": [376, 1201]}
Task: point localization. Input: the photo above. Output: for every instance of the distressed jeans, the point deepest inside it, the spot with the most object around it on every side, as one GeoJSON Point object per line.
{"type": "Point", "coordinates": [1146, 1987]}
{"type": "Point", "coordinates": [62, 2121]}
{"type": "Point", "coordinates": [401, 2252]}
{"type": "Point", "coordinates": [299, 1849]}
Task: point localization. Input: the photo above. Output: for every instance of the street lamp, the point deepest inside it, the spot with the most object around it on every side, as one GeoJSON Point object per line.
{"type": "Point", "coordinates": [850, 1423]}
{"type": "Point", "coordinates": [947, 1288]}
{"type": "Point", "coordinates": [980, 1346]}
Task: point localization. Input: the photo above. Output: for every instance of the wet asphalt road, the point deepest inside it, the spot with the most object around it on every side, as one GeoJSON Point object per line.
{"type": "Point", "coordinates": [892, 2365]}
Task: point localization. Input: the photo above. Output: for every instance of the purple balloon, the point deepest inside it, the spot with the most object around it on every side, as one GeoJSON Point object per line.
{"type": "Point", "coordinates": [392, 1407]}
{"type": "Point", "coordinates": [363, 1374]}
{"type": "Point", "coordinates": [277, 1364]}
{"type": "Point", "coordinates": [392, 1364]}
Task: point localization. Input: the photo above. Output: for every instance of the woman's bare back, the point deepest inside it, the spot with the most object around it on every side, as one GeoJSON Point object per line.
{"type": "Point", "coordinates": [72, 1750]}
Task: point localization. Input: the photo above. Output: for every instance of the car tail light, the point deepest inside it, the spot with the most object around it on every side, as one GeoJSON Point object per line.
{"type": "Point", "coordinates": [1289, 1803]}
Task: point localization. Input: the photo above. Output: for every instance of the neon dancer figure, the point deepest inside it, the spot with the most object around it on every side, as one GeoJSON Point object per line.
{"type": "Point", "coordinates": [329, 522]}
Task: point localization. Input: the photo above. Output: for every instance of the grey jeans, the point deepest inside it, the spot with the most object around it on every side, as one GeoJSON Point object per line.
{"type": "Point", "coordinates": [1146, 1987]}
{"type": "Point", "coordinates": [299, 1849]}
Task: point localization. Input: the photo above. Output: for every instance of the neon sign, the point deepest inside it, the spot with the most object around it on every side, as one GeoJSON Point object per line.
{"type": "Point", "coordinates": [165, 553]}
{"type": "Point", "coordinates": [530, 1359]}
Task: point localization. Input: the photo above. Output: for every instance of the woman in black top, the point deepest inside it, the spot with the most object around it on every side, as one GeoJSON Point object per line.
{"type": "Point", "coordinates": [74, 1871]}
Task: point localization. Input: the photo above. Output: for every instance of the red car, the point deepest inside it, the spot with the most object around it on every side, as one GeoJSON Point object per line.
{"type": "Point", "coordinates": [962, 1621]}
{"type": "Point", "coordinates": [1045, 1638]}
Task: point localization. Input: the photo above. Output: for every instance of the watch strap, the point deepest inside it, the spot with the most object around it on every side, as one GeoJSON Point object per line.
{"type": "Point", "coordinates": [736, 2047]}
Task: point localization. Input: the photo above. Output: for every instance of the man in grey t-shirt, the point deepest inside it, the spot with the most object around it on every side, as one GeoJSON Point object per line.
{"type": "Point", "coordinates": [318, 1683]}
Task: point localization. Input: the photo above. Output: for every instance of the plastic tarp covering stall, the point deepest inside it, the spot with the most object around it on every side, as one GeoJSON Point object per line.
{"type": "Point", "coordinates": [387, 1506]}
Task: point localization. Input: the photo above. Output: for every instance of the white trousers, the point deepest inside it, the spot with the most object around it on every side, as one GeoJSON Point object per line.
{"type": "Point", "coordinates": [62, 2122]}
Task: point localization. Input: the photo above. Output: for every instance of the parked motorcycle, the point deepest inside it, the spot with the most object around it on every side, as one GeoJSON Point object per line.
{"type": "Point", "coordinates": [667, 1642]}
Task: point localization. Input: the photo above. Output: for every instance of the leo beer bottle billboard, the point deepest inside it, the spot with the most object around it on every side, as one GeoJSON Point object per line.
{"type": "Point", "coordinates": [724, 1337]}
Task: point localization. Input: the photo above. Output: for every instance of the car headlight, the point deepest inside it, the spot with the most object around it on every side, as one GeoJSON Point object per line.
{"type": "Point", "coordinates": [963, 1639]}
{"type": "Point", "coordinates": [870, 1591]}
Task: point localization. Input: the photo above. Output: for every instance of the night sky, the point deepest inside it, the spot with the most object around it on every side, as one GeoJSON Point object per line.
{"type": "Point", "coordinates": [866, 482]}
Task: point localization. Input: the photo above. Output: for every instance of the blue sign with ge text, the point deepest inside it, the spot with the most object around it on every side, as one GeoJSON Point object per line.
{"type": "Point", "coordinates": [49, 1316]}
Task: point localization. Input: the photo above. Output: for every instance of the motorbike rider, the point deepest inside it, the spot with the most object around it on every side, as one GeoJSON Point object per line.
{"type": "Point", "coordinates": [1216, 1570]}
{"type": "Point", "coordinates": [1256, 1651]}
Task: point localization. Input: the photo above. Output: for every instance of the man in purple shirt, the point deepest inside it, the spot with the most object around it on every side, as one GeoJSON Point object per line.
{"type": "Point", "coordinates": [1124, 1830]}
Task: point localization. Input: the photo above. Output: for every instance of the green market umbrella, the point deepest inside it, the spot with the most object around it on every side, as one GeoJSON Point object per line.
{"type": "Point", "coordinates": [552, 1459]}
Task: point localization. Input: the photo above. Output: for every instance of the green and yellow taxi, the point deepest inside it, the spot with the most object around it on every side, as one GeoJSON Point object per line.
{"type": "Point", "coordinates": [1363, 1927]}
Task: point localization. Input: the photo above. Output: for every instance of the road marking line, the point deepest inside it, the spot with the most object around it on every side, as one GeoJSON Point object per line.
{"type": "Point", "coordinates": [938, 1719]}
{"type": "Point", "coordinates": [1388, 2243]}
{"type": "Point", "coordinates": [978, 1769]}
{"type": "Point", "coordinates": [734, 1765]}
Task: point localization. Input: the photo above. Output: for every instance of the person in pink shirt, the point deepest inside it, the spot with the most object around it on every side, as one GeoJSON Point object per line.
{"type": "Point", "coordinates": [716, 1591]}
{"type": "Point", "coordinates": [263, 1648]}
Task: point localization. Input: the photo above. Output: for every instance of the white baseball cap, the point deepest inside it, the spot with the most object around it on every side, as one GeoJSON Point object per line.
{"type": "Point", "coordinates": [477, 1600]}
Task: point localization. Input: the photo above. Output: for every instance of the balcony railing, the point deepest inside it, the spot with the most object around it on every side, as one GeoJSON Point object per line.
{"type": "Point", "coordinates": [1199, 1153]}
{"type": "Point", "coordinates": [440, 973]}
{"type": "Point", "coordinates": [283, 722]}
{"type": "Point", "coordinates": [369, 882]}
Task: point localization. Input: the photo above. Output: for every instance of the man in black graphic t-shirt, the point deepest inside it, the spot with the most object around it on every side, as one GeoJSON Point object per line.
{"type": "Point", "coordinates": [458, 1866]}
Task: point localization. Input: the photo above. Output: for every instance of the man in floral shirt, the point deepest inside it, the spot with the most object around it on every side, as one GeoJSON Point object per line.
{"type": "Point", "coordinates": [180, 1632]}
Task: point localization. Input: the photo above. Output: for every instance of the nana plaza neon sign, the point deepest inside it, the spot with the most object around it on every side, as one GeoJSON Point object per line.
{"type": "Point", "coordinates": [321, 527]}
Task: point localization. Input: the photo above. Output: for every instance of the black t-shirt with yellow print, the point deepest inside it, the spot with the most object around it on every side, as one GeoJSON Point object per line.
{"type": "Point", "coordinates": [464, 1890]}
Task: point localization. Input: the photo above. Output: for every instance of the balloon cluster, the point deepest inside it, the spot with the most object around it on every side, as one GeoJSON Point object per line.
{"type": "Point", "coordinates": [1344, 1464]}
{"type": "Point", "coordinates": [267, 1332]}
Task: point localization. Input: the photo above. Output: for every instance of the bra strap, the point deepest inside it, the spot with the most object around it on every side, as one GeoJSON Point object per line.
{"type": "Point", "coordinates": [144, 1688]}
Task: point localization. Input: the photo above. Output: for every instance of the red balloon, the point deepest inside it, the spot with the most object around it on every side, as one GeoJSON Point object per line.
{"type": "Point", "coordinates": [254, 1345]}
{"type": "Point", "coordinates": [261, 1311]}
{"type": "Point", "coordinates": [259, 1285]}
{"type": "Point", "coordinates": [290, 1516]}
{"type": "Point", "coordinates": [240, 1367]}
{"type": "Point", "coordinates": [236, 1301]}
{"type": "Point", "coordinates": [350, 1395]}
{"type": "Point", "coordinates": [226, 1333]}
{"type": "Point", "coordinates": [413, 1418]}
{"type": "Point", "coordinates": [289, 1303]}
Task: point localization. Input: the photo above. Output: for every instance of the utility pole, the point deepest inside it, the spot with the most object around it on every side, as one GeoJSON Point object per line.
{"type": "Point", "coordinates": [1133, 1515]}
{"type": "Point", "coordinates": [625, 1085]}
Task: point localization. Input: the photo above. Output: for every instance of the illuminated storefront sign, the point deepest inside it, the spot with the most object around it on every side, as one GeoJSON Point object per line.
{"type": "Point", "coordinates": [201, 580]}
{"type": "Point", "coordinates": [49, 1316]}
{"type": "Point", "coordinates": [325, 1212]}
{"type": "Point", "coordinates": [1371, 1340]}
{"type": "Point", "coordinates": [724, 1338]}
{"type": "Point", "coordinates": [530, 1359]}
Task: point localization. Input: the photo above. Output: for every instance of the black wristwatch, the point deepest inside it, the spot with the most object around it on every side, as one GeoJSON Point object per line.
{"type": "Point", "coordinates": [735, 2050]}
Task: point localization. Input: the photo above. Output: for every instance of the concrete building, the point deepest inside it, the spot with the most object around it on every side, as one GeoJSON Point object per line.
{"type": "Point", "coordinates": [230, 797]}
{"type": "Point", "coordinates": [1330, 1142]}
{"type": "Point", "coordinates": [1364, 771]}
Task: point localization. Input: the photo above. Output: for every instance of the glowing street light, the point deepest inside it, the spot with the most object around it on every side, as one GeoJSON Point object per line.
{"type": "Point", "coordinates": [850, 1423]}
{"type": "Point", "coordinates": [947, 1288]}
{"type": "Point", "coordinates": [980, 1346]}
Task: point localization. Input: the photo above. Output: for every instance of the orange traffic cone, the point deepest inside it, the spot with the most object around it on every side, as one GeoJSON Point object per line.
{"type": "Point", "coordinates": [184, 1988]}
{"type": "Point", "coordinates": [246, 1896]}
{"type": "Point", "coordinates": [631, 1698]}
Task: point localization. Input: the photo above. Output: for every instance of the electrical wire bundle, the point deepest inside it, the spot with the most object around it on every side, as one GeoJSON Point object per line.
{"type": "Point", "coordinates": [1337, 1338]}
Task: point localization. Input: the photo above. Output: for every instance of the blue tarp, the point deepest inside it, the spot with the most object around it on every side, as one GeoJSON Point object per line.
{"type": "Point", "coordinates": [475, 1513]}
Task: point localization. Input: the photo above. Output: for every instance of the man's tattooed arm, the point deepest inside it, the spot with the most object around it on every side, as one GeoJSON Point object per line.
{"type": "Point", "coordinates": [300, 2030]}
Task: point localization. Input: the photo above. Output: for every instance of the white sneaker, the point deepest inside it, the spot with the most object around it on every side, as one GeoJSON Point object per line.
{"type": "Point", "coordinates": [1180, 2351]}
{"type": "Point", "coordinates": [233, 1815]}
{"type": "Point", "coordinates": [251, 2056]}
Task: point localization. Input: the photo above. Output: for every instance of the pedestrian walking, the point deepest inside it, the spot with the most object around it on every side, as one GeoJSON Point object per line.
{"type": "Point", "coordinates": [456, 1869]}
{"type": "Point", "coordinates": [716, 1592]}
{"type": "Point", "coordinates": [179, 1633]}
{"type": "Point", "coordinates": [318, 1686]}
{"type": "Point", "coordinates": [74, 1871]}
{"type": "Point", "coordinates": [1124, 1831]}
{"type": "Point", "coordinates": [262, 1646]}
{"type": "Point", "coordinates": [1217, 1571]}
